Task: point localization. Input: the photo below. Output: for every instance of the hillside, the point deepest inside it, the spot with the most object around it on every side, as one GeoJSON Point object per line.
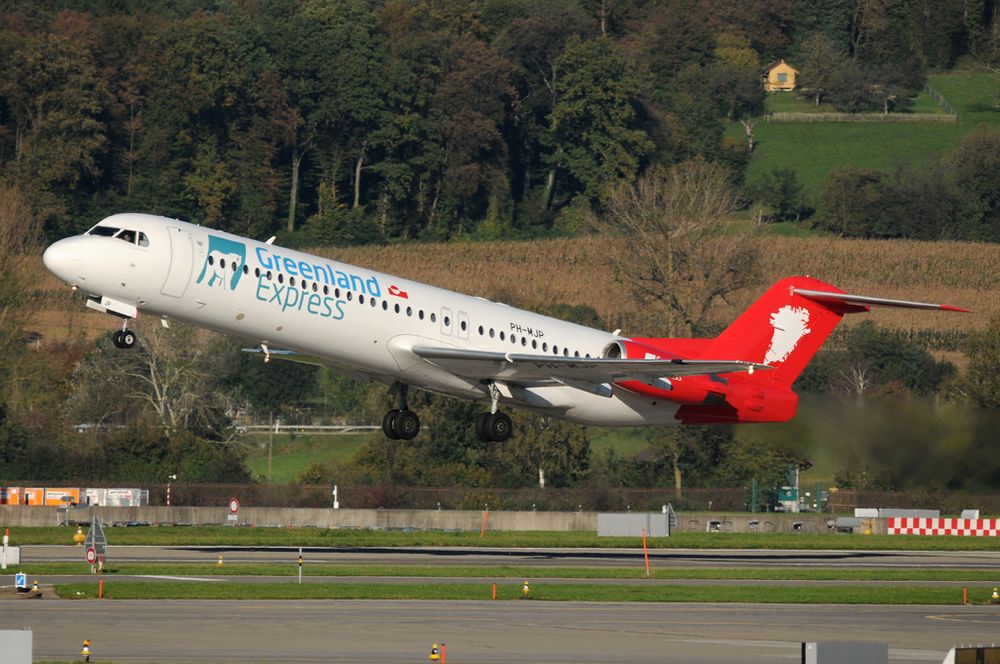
{"type": "Point", "coordinates": [813, 150]}
{"type": "Point", "coordinates": [569, 271]}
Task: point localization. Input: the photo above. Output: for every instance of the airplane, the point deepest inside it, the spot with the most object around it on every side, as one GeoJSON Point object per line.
{"type": "Point", "coordinates": [373, 326]}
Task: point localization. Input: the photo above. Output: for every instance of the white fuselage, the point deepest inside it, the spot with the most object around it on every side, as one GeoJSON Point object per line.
{"type": "Point", "coordinates": [361, 322]}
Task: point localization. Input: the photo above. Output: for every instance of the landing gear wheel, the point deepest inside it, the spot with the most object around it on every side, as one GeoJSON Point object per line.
{"type": "Point", "coordinates": [389, 425]}
{"type": "Point", "coordinates": [406, 424]}
{"type": "Point", "coordinates": [499, 427]}
{"type": "Point", "coordinates": [128, 339]}
{"type": "Point", "coordinates": [116, 339]}
{"type": "Point", "coordinates": [481, 431]}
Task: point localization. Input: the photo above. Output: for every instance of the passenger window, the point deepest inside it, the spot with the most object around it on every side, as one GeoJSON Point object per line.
{"type": "Point", "coordinates": [501, 335]}
{"type": "Point", "coordinates": [281, 278]}
{"type": "Point", "coordinates": [291, 281]}
{"type": "Point", "coordinates": [434, 318]}
{"type": "Point", "coordinates": [447, 321]}
{"type": "Point", "coordinates": [143, 240]}
{"type": "Point", "coordinates": [246, 269]}
{"type": "Point", "coordinates": [491, 333]}
{"type": "Point", "coordinates": [409, 311]}
{"type": "Point", "coordinates": [420, 314]}
{"type": "Point", "coordinates": [480, 330]}
{"type": "Point", "coordinates": [534, 344]}
{"type": "Point", "coordinates": [361, 299]}
{"type": "Point", "coordinates": [256, 272]}
{"type": "Point", "coordinates": [396, 308]}
{"type": "Point", "coordinates": [372, 302]}
{"type": "Point", "coordinates": [350, 296]}
{"type": "Point", "coordinates": [463, 325]}
{"type": "Point", "coordinates": [385, 306]}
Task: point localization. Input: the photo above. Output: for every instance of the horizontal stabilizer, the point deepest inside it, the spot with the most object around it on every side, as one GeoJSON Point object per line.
{"type": "Point", "coordinates": [864, 301]}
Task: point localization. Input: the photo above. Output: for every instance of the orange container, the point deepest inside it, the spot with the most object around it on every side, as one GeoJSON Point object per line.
{"type": "Point", "coordinates": [58, 497]}
{"type": "Point", "coordinates": [33, 496]}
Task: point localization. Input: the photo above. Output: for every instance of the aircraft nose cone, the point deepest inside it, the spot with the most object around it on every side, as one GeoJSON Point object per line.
{"type": "Point", "coordinates": [62, 260]}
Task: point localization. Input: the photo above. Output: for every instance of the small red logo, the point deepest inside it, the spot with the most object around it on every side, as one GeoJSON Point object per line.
{"type": "Point", "coordinates": [395, 291]}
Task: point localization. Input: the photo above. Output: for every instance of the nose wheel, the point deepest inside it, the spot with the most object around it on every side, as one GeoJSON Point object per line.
{"type": "Point", "coordinates": [124, 339]}
{"type": "Point", "coordinates": [401, 423]}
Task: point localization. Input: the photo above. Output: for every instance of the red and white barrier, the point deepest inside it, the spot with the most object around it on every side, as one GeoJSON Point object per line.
{"type": "Point", "coordinates": [961, 527]}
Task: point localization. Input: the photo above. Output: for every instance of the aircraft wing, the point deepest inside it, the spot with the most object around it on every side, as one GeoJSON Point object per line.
{"type": "Point", "coordinates": [517, 367]}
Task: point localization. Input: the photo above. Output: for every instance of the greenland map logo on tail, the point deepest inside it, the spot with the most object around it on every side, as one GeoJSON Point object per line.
{"type": "Point", "coordinates": [790, 325]}
{"type": "Point", "coordinates": [223, 263]}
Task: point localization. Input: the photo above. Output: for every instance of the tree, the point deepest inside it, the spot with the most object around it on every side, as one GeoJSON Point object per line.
{"type": "Point", "coordinates": [975, 167]}
{"type": "Point", "coordinates": [57, 100]}
{"type": "Point", "coordinates": [848, 205]}
{"type": "Point", "coordinates": [981, 381]}
{"type": "Point", "coordinates": [594, 119]}
{"type": "Point", "coordinates": [781, 191]}
{"type": "Point", "coordinates": [675, 259]}
{"type": "Point", "coordinates": [560, 450]}
{"type": "Point", "coordinates": [166, 379]}
{"type": "Point", "coordinates": [534, 43]}
{"type": "Point", "coordinates": [818, 58]}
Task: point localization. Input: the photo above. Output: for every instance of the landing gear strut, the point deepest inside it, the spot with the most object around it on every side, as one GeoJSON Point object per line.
{"type": "Point", "coordinates": [124, 338]}
{"type": "Point", "coordinates": [494, 426]}
{"type": "Point", "coordinates": [401, 423]}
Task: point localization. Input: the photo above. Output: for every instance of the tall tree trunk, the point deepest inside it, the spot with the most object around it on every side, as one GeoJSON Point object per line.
{"type": "Point", "coordinates": [293, 197]}
{"type": "Point", "coordinates": [357, 177]}
{"type": "Point", "coordinates": [677, 477]}
{"type": "Point", "coordinates": [550, 183]}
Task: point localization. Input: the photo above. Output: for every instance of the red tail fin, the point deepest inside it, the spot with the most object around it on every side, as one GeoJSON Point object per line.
{"type": "Point", "coordinates": [782, 329]}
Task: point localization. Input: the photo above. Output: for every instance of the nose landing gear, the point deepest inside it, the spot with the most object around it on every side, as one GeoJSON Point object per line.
{"type": "Point", "coordinates": [124, 338]}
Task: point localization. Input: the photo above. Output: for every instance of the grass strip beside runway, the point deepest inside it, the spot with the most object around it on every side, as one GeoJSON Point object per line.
{"type": "Point", "coordinates": [518, 572]}
{"type": "Point", "coordinates": [343, 537]}
{"type": "Point", "coordinates": [539, 592]}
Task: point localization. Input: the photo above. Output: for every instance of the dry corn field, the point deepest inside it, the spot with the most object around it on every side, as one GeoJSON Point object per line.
{"type": "Point", "coordinates": [569, 271]}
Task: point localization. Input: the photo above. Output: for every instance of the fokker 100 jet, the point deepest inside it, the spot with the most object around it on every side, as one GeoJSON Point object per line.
{"type": "Point", "coordinates": [374, 326]}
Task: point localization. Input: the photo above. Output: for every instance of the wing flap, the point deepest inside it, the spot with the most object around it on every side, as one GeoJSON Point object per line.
{"type": "Point", "coordinates": [518, 367]}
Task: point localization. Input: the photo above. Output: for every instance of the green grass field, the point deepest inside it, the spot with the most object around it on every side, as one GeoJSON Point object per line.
{"type": "Point", "coordinates": [223, 536]}
{"type": "Point", "coordinates": [113, 570]}
{"type": "Point", "coordinates": [813, 150]}
{"type": "Point", "coordinates": [539, 592]}
{"type": "Point", "coordinates": [292, 453]}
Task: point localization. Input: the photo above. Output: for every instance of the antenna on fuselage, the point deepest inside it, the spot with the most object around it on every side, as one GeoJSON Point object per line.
{"type": "Point", "coordinates": [271, 239]}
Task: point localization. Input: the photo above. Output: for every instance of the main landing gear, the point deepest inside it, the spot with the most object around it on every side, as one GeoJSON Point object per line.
{"type": "Point", "coordinates": [124, 338]}
{"type": "Point", "coordinates": [401, 423]}
{"type": "Point", "coordinates": [494, 426]}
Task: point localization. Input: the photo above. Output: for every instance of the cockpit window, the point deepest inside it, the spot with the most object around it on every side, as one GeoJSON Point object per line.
{"type": "Point", "coordinates": [143, 240]}
{"type": "Point", "coordinates": [106, 231]}
{"type": "Point", "coordinates": [127, 236]}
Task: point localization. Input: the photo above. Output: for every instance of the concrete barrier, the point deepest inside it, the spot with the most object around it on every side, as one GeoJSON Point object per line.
{"type": "Point", "coordinates": [14, 516]}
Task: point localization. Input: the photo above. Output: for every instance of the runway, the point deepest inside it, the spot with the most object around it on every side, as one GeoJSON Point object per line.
{"type": "Point", "coordinates": [487, 632]}
{"type": "Point", "coordinates": [534, 557]}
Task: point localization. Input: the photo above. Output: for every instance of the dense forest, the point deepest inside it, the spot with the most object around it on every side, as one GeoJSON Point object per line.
{"type": "Point", "coordinates": [354, 121]}
{"type": "Point", "coordinates": [340, 122]}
